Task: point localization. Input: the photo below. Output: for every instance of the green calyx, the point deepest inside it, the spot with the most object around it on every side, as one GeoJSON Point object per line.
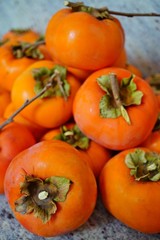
{"type": "Point", "coordinates": [73, 136]}
{"type": "Point", "coordinates": [145, 166]}
{"type": "Point", "coordinates": [40, 196]}
{"type": "Point", "coordinates": [29, 50]}
{"type": "Point", "coordinates": [154, 81]}
{"type": "Point", "coordinates": [56, 77]}
{"type": "Point", "coordinates": [99, 13]}
{"type": "Point", "coordinates": [118, 96]}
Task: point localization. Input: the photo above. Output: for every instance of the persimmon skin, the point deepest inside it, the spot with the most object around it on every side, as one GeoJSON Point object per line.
{"type": "Point", "coordinates": [133, 69]}
{"type": "Point", "coordinates": [5, 100]}
{"type": "Point", "coordinates": [27, 36]}
{"type": "Point", "coordinates": [99, 157]}
{"type": "Point", "coordinates": [11, 67]}
{"type": "Point", "coordinates": [79, 73]}
{"type": "Point", "coordinates": [121, 60]}
{"type": "Point", "coordinates": [153, 141]}
{"type": "Point", "coordinates": [134, 203]}
{"type": "Point", "coordinates": [54, 158]}
{"type": "Point", "coordinates": [13, 139]}
{"type": "Point", "coordinates": [115, 134]}
{"type": "Point", "coordinates": [35, 129]}
{"type": "Point", "coordinates": [96, 155]}
{"type": "Point", "coordinates": [90, 46]}
{"type": "Point", "coordinates": [47, 112]}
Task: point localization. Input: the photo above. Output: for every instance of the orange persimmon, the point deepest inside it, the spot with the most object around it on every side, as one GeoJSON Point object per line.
{"type": "Point", "coordinates": [13, 139]}
{"type": "Point", "coordinates": [133, 69]}
{"type": "Point", "coordinates": [35, 129]}
{"type": "Point", "coordinates": [129, 186]}
{"type": "Point", "coordinates": [55, 106]}
{"type": "Point", "coordinates": [114, 107]}
{"type": "Point", "coordinates": [90, 46]}
{"type": "Point", "coordinates": [21, 35]}
{"type": "Point", "coordinates": [14, 59]}
{"type": "Point", "coordinates": [121, 60]}
{"type": "Point", "coordinates": [50, 188]}
{"type": "Point", "coordinates": [5, 100]}
{"type": "Point", "coordinates": [96, 154]}
{"type": "Point", "coordinates": [153, 141]}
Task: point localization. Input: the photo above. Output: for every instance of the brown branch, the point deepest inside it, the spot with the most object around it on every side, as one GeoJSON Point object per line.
{"type": "Point", "coordinates": [26, 103]}
{"type": "Point", "coordinates": [104, 12]}
{"type": "Point", "coordinates": [135, 14]}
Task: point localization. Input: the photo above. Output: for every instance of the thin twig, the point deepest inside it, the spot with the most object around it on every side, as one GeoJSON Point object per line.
{"type": "Point", "coordinates": [104, 12]}
{"type": "Point", "coordinates": [135, 14]}
{"type": "Point", "coordinates": [26, 103]}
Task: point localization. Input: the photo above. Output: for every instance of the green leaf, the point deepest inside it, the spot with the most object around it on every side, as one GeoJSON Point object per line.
{"type": "Point", "coordinates": [155, 178]}
{"type": "Point", "coordinates": [62, 185]}
{"type": "Point", "coordinates": [67, 88]}
{"type": "Point", "coordinates": [129, 93]}
{"type": "Point", "coordinates": [145, 166]}
{"type": "Point", "coordinates": [56, 76]}
{"type": "Point", "coordinates": [132, 159]}
{"type": "Point", "coordinates": [73, 136]}
{"type": "Point", "coordinates": [104, 83]}
{"type": "Point", "coordinates": [126, 83]}
{"type": "Point", "coordinates": [29, 50]}
{"type": "Point", "coordinates": [125, 114]}
{"type": "Point", "coordinates": [106, 109]}
{"type": "Point", "coordinates": [118, 96]}
{"type": "Point", "coordinates": [61, 70]}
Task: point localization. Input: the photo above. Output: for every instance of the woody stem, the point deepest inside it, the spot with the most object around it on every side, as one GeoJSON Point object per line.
{"type": "Point", "coordinates": [79, 6]}
{"type": "Point", "coordinates": [115, 89]}
{"type": "Point", "coordinates": [26, 103]}
{"type": "Point", "coordinates": [152, 14]}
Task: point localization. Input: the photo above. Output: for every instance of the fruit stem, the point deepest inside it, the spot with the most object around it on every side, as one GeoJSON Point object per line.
{"type": "Point", "coordinates": [104, 12]}
{"type": "Point", "coordinates": [115, 89]}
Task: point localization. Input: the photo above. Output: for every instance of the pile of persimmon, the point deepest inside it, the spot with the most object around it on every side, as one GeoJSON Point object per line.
{"type": "Point", "coordinates": [75, 115]}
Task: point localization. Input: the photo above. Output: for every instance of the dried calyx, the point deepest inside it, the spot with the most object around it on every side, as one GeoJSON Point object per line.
{"type": "Point", "coordinates": [118, 96]}
{"type": "Point", "coordinates": [59, 86]}
{"type": "Point", "coordinates": [40, 196]}
{"type": "Point", "coordinates": [73, 136]}
{"type": "Point", "coordinates": [145, 166]}
{"type": "Point", "coordinates": [154, 81]}
{"type": "Point", "coordinates": [29, 50]}
{"type": "Point", "coordinates": [104, 12]}
{"type": "Point", "coordinates": [99, 13]}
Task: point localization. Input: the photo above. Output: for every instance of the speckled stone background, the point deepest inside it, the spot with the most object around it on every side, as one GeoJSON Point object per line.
{"type": "Point", "coordinates": [143, 50]}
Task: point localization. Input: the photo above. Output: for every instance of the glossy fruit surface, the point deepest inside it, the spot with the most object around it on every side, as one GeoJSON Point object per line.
{"type": "Point", "coordinates": [89, 46]}
{"type": "Point", "coordinates": [111, 118]}
{"type": "Point", "coordinates": [130, 194]}
{"type": "Point", "coordinates": [55, 161]}
{"type": "Point", "coordinates": [13, 139]}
